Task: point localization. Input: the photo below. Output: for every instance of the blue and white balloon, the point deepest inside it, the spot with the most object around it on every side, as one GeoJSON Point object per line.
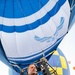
{"type": "Point", "coordinates": [30, 27]}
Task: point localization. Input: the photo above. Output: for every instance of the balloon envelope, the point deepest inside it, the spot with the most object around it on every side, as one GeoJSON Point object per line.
{"type": "Point", "coordinates": [29, 28]}
{"type": "Point", "coordinates": [59, 63]}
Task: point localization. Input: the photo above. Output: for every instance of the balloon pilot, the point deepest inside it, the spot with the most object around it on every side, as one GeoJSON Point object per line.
{"type": "Point", "coordinates": [32, 70]}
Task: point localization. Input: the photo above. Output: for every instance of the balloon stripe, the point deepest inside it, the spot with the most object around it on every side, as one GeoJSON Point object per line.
{"type": "Point", "coordinates": [31, 26]}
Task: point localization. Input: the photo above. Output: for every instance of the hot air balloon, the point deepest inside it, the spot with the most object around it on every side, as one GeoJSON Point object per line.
{"type": "Point", "coordinates": [31, 29]}
{"type": "Point", "coordinates": [61, 66]}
